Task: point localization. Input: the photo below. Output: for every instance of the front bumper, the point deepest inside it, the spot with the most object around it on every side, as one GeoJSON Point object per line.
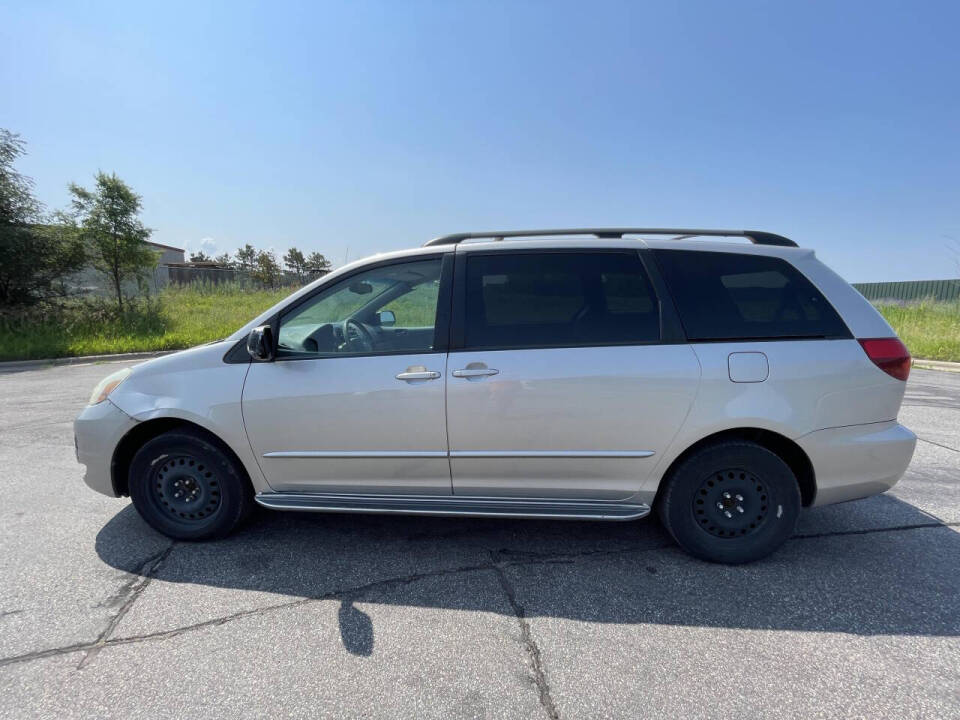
{"type": "Point", "coordinates": [858, 460]}
{"type": "Point", "coordinates": [96, 431]}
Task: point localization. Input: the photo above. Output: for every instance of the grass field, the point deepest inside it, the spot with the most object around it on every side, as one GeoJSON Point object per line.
{"type": "Point", "coordinates": [178, 318]}
{"type": "Point", "coordinates": [930, 330]}
{"type": "Point", "coordinates": [181, 317]}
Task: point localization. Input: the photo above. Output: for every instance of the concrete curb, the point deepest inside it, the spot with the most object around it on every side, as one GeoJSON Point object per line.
{"type": "Point", "coordinates": [15, 365]}
{"type": "Point", "coordinates": [936, 365]}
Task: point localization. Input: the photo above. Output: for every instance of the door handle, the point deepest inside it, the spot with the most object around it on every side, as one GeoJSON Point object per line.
{"type": "Point", "coordinates": [418, 372]}
{"type": "Point", "coordinates": [473, 370]}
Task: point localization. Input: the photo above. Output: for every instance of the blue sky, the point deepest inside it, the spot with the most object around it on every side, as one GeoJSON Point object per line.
{"type": "Point", "coordinates": [354, 128]}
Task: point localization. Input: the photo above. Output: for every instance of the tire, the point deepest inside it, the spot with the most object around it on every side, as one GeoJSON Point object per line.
{"type": "Point", "coordinates": [730, 502]}
{"type": "Point", "coordinates": [186, 485]}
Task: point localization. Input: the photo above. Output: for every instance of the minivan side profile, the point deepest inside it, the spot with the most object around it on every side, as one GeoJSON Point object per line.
{"type": "Point", "coordinates": [583, 374]}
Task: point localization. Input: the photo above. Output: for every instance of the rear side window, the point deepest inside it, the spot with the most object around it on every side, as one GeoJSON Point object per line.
{"type": "Point", "coordinates": [518, 300]}
{"type": "Point", "coordinates": [731, 296]}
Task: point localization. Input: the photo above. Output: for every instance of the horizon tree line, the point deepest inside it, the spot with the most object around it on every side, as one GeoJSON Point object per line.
{"type": "Point", "coordinates": [265, 268]}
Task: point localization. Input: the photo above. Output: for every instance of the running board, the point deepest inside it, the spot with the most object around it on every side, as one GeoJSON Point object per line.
{"type": "Point", "coordinates": [454, 505]}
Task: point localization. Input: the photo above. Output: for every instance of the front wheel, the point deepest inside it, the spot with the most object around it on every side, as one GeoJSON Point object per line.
{"type": "Point", "coordinates": [188, 487]}
{"type": "Point", "coordinates": [730, 502]}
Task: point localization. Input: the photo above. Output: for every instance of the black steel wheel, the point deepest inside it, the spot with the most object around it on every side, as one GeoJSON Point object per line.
{"type": "Point", "coordinates": [731, 502]}
{"type": "Point", "coordinates": [185, 484]}
{"type": "Point", "coordinates": [185, 487]}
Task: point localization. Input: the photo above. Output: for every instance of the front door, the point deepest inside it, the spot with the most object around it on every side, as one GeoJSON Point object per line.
{"type": "Point", "coordinates": [558, 385]}
{"type": "Point", "coordinates": [354, 402]}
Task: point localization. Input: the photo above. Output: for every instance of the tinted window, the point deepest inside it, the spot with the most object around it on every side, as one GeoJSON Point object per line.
{"type": "Point", "coordinates": [516, 300]}
{"type": "Point", "coordinates": [390, 309]}
{"type": "Point", "coordinates": [723, 296]}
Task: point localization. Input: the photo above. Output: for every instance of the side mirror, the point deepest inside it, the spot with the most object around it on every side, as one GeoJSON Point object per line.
{"type": "Point", "coordinates": [260, 343]}
{"type": "Point", "coordinates": [386, 318]}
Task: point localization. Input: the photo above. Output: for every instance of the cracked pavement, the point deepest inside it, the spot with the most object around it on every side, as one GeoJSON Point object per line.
{"type": "Point", "coordinates": [306, 615]}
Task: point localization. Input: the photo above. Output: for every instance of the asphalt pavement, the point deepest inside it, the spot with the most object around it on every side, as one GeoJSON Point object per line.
{"type": "Point", "coordinates": [303, 615]}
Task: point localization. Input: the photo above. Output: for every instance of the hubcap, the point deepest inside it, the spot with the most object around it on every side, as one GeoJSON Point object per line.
{"type": "Point", "coordinates": [186, 488]}
{"type": "Point", "coordinates": [730, 503]}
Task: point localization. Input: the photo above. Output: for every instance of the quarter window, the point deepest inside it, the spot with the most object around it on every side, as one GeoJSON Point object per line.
{"type": "Point", "coordinates": [519, 300]}
{"type": "Point", "coordinates": [731, 296]}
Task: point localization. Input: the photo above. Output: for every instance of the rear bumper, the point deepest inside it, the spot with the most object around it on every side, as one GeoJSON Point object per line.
{"type": "Point", "coordinates": [96, 431]}
{"type": "Point", "coordinates": [858, 460]}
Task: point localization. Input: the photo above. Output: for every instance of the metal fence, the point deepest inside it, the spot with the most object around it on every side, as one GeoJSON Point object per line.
{"type": "Point", "coordinates": [911, 290]}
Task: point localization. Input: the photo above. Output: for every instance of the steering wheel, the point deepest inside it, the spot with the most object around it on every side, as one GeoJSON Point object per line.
{"type": "Point", "coordinates": [356, 336]}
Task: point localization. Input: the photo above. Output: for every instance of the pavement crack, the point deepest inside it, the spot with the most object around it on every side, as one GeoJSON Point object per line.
{"type": "Point", "coordinates": [527, 557]}
{"type": "Point", "coordinates": [125, 598]}
{"type": "Point", "coordinates": [870, 531]}
{"type": "Point", "coordinates": [215, 622]}
{"type": "Point", "coordinates": [940, 445]}
{"type": "Point", "coordinates": [354, 593]}
{"type": "Point", "coordinates": [529, 645]}
{"type": "Point", "coordinates": [136, 588]}
{"type": "Point", "coordinates": [500, 559]}
{"type": "Point", "coordinates": [41, 654]}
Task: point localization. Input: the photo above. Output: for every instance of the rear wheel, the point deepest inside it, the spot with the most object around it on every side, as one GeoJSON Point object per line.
{"type": "Point", "coordinates": [187, 486]}
{"type": "Point", "coordinates": [730, 502]}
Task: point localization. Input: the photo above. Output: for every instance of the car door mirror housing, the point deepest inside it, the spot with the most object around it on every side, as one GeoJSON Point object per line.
{"type": "Point", "coordinates": [260, 343]}
{"type": "Point", "coordinates": [386, 318]}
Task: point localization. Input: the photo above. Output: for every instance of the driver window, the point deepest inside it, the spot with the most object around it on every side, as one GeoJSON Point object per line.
{"type": "Point", "coordinates": [389, 309]}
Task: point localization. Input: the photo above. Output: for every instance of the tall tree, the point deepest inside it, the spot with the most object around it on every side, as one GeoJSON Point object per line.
{"type": "Point", "coordinates": [35, 257]}
{"type": "Point", "coordinates": [246, 258]}
{"type": "Point", "coordinates": [223, 260]}
{"type": "Point", "coordinates": [108, 219]}
{"type": "Point", "coordinates": [296, 263]}
{"type": "Point", "coordinates": [199, 256]}
{"type": "Point", "coordinates": [267, 271]}
{"type": "Point", "coordinates": [317, 265]}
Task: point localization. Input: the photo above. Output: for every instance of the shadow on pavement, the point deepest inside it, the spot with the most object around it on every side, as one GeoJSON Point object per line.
{"type": "Point", "coordinates": [873, 567]}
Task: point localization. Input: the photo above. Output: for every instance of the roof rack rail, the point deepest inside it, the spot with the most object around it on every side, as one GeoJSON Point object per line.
{"type": "Point", "coordinates": [755, 236]}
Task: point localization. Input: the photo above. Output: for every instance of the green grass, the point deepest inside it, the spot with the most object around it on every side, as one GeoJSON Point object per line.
{"type": "Point", "coordinates": [929, 330]}
{"type": "Point", "coordinates": [180, 317]}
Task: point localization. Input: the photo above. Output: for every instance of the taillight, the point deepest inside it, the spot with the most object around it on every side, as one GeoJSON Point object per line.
{"type": "Point", "coordinates": [888, 354]}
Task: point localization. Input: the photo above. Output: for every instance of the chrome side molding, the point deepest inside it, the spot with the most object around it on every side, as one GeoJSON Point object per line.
{"type": "Point", "coordinates": [460, 454]}
{"type": "Point", "coordinates": [357, 454]}
{"type": "Point", "coordinates": [449, 505]}
{"type": "Point", "coordinates": [551, 453]}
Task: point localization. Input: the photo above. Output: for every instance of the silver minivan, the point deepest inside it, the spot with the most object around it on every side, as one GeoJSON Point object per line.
{"type": "Point", "coordinates": [589, 374]}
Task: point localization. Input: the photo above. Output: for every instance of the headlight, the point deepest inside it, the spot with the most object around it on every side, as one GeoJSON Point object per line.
{"type": "Point", "coordinates": [107, 386]}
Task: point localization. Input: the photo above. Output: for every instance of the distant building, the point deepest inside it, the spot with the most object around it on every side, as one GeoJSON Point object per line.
{"type": "Point", "coordinates": [184, 273]}
{"type": "Point", "coordinates": [168, 254]}
{"type": "Point", "coordinates": [90, 281]}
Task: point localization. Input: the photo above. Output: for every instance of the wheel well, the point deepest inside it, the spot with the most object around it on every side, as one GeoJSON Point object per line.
{"type": "Point", "coordinates": [785, 448]}
{"type": "Point", "coordinates": [145, 431]}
